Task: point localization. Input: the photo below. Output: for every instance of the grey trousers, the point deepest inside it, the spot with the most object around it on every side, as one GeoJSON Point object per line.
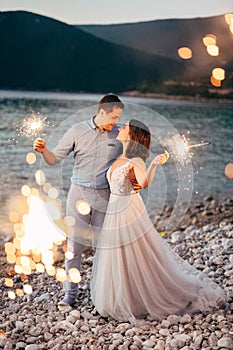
{"type": "Point", "coordinates": [87, 224]}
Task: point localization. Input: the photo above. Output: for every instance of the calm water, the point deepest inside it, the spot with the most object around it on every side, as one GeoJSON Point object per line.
{"type": "Point", "coordinates": [199, 121]}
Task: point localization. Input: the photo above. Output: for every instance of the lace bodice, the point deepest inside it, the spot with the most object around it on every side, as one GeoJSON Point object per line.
{"type": "Point", "coordinates": [118, 179]}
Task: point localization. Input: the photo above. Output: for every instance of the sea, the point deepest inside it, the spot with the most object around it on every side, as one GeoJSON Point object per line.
{"type": "Point", "coordinates": [190, 174]}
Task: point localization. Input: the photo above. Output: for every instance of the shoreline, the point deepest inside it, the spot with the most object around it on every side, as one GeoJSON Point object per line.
{"type": "Point", "coordinates": [174, 97]}
{"type": "Point", "coordinates": [133, 94]}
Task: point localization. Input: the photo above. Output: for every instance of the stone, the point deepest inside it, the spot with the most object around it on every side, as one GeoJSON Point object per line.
{"type": "Point", "coordinates": [225, 342]}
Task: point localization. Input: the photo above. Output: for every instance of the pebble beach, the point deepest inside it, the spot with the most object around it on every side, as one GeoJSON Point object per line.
{"type": "Point", "coordinates": [35, 321]}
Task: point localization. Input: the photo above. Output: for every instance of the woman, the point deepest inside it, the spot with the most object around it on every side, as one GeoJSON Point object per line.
{"type": "Point", "coordinates": [135, 272]}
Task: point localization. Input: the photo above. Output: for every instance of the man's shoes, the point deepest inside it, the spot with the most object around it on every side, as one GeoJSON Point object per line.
{"type": "Point", "coordinates": [68, 300]}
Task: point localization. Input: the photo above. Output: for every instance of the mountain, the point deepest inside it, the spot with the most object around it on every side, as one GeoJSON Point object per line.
{"type": "Point", "coordinates": [164, 37]}
{"type": "Point", "coordinates": [38, 52]}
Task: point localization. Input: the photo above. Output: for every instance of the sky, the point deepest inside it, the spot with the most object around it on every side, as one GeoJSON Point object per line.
{"type": "Point", "coordinates": [119, 11]}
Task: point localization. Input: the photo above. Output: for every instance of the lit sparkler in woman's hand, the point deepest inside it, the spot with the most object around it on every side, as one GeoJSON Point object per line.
{"type": "Point", "coordinates": [32, 126]}
{"type": "Point", "coordinates": [181, 148]}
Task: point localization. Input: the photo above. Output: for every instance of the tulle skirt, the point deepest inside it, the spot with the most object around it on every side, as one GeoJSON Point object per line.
{"type": "Point", "coordinates": [136, 273]}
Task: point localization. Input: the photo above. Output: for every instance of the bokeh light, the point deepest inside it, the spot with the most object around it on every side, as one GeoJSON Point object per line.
{"type": "Point", "coordinates": [215, 82]}
{"type": "Point", "coordinates": [19, 292]}
{"type": "Point", "coordinates": [229, 171]}
{"type": "Point", "coordinates": [40, 177]}
{"type": "Point", "coordinates": [27, 288]}
{"type": "Point", "coordinates": [74, 275]}
{"type": "Point", "coordinates": [25, 190]}
{"type": "Point", "coordinates": [213, 50]}
{"type": "Point", "coordinates": [61, 275]}
{"type": "Point", "coordinates": [229, 18]}
{"type": "Point", "coordinates": [11, 294]}
{"type": "Point", "coordinates": [53, 193]}
{"type": "Point", "coordinates": [185, 53]}
{"type": "Point", "coordinates": [83, 207]}
{"type": "Point", "coordinates": [69, 220]}
{"type": "Point", "coordinates": [209, 39]}
{"type": "Point", "coordinates": [69, 255]}
{"type": "Point", "coordinates": [13, 216]}
{"type": "Point", "coordinates": [218, 73]}
{"type": "Point", "coordinates": [9, 282]}
{"type": "Point", "coordinates": [31, 158]}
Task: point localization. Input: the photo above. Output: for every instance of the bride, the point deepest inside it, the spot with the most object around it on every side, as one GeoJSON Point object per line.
{"type": "Point", "coordinates": [135, 272]}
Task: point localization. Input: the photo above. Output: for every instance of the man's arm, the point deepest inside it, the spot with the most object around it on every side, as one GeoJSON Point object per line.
{"type": "Point", "coordinates": [40, 147]}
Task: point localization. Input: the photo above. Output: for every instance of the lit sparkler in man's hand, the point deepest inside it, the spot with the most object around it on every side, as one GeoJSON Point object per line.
{"type": "Point", "coordinates": [181, 148]}
{"type": "Point", "coordinates": [32, 126]}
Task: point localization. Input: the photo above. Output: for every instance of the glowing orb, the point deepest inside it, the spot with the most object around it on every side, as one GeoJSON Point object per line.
{"type": "Point", "coordinates": [215, 82]}
{"type": "Point", "coordinates": [40, 177]}
{"type": "Point", "coordinates": [18, 269]}
{"type": "Point", "coordinates": [27, 289]}
{"type": "Point", "coordinates": [74, 275]}
{"type": "Point", "coordinates": [229, 170]}
{"type": "Point", "coordinates": [213, 50]}
{"type": "Point", "coordinates": [61, 275]}
{"type": "Point", "coordinates": [53, 193]}
{"type": "Point", "coordinates": [229, 18]}
{"type": "Point", "coordinates": [31, 158]}
{"type": "Point", "coordinates": [83, 207]}
{"type": "Point", "coordinates": [11, 294]}
{"type": "Point", "coordinates": [46, 187]}
{"type": "Point", "coordinates": [9, 248]}
{"type": "Point", "coordinates": [25, 190]}
{"type": "Point", "coordinates": [11, 258]}
{"type": "Point", "coordinates": [218, 73]}
{"type": "Point", "coordinates": [51, 271]}
{"type": "Point", "coordinates": [209, 39]}
{"type": "Point", "coordinates": [40, 268]}
{"type": "Point", "coordinates": [69, 255]}
{"type": "Point", "coordinates": [9, 282]}
{"type": "Point", "coordinates": [69, 220]}
{"type": "Point", "coordinates": [13, 216]}
{"type": "Point", "coordinates": [185, 53]}
{"type": "Point", "coordinates": [19, 292]}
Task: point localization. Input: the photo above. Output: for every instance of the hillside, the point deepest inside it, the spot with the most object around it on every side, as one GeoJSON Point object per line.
{"type": "Point", "coordinates": [44, 54]}
{"type": "Point", "coordinates": [164, 37]}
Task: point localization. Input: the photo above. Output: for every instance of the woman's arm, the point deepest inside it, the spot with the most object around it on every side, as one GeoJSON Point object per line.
{"type": "Point", "coordinates": [145, 177]}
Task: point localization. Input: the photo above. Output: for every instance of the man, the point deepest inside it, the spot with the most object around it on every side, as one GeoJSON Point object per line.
{"type": "Point", "coordinates": [95, 148]}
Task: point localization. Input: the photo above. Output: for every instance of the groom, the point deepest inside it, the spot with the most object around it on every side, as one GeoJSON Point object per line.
{"type": "Point", "coordinates": [95, 147]}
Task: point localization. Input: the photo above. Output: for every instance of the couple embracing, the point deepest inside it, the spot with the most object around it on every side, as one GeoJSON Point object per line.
{"type": "Point", "coordinates": [135, 272]}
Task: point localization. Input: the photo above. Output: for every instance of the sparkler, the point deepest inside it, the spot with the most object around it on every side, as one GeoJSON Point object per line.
{"type": "Point", "coordinates": [181, 148]}
{"type": "Point", "coordinates": [32, 126]}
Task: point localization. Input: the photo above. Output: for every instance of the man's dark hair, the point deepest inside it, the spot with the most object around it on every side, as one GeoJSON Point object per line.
{"type": "Point", "coordinates": [109, 101]}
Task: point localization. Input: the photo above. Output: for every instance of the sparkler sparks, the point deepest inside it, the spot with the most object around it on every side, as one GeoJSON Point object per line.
{"type": "Point", "coordinates": [32, 126]}
{"type": "Point", "coordinates": [181, 148]}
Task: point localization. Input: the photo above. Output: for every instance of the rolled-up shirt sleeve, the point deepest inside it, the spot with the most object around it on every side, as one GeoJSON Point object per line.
{"type": "Point", "coordinates": [65, 145]}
